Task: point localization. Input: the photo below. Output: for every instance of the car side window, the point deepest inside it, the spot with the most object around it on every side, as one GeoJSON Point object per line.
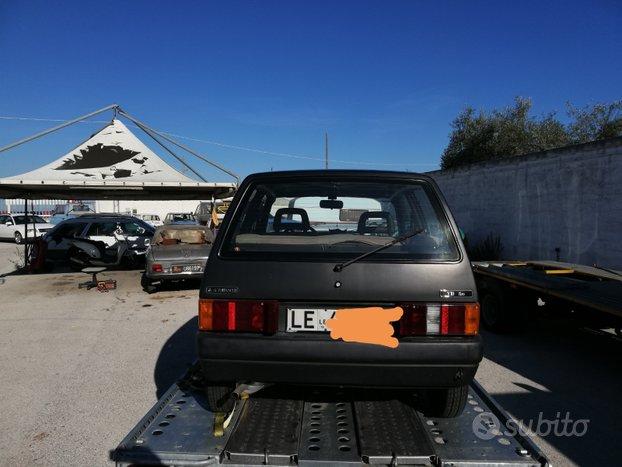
{"type": "Point", "coordinates": [98, 229]}
{"type": "Point", "coordinates": [132, 228]}
{"type": "Point", "coordinates": [3, 219]}
{"type": "Point", "coordinates": [69, 230]}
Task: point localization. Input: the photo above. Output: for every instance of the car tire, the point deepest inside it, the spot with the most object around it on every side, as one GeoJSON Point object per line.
{"type": "Point", "coordinates": [19, 239]}
{"type": "Point", "coordinates": [446, 403]}
{"type": "Point", "coordinates": [147, 285]}
{"type": "Point", "coordinates": [220, 398]}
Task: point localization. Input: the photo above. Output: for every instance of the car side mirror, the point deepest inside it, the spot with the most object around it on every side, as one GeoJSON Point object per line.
{"type": "Point", "coordinates": [8, 223]}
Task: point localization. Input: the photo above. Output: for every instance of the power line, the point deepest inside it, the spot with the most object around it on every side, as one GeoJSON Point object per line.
{"type": "Point", "coordinates": [233, 146]}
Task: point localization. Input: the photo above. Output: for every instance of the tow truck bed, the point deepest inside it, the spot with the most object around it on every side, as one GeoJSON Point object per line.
{"type": "Point", "coordinates": [323, 427]}
{"type": "Point", "coordinates": [590, 287]}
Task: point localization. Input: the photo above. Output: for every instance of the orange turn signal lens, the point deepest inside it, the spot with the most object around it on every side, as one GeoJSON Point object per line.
{"type": "Point", "coordinates": [471, 319]}
{"type": "Point", "coordinates": [206, 315]}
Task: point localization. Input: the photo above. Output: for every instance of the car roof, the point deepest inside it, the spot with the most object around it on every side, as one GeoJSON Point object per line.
{"type": "Point", "coordinates": [182, 227]}
{"type": "Point", "coordinates": [99, 217]}
{"type": "Point", "coordinates": [332, 173]}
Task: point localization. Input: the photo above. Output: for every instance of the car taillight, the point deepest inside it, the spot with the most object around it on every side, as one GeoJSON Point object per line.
{"type": "Point", "coordinates": [156, 267]}
{"type": "Point", "coordinates": [439, 318]}
{"type": "Point", "coordinates": [239, 316]}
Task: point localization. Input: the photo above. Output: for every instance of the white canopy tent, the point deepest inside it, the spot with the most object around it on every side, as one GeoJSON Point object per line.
{"type": "Point", "coordinates": [113, 164]}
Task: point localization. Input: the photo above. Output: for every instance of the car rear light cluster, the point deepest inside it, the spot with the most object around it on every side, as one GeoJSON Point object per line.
{"type": "Point", "coordinates": [239, 316]}
{"type": "Point", "coordinates": [438, 319]}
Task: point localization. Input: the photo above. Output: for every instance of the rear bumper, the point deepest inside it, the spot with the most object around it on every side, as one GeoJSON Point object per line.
{"type": "Point", "coordinates": [415, 363]}
{"type": "Point", "coordinates": [176, 276]}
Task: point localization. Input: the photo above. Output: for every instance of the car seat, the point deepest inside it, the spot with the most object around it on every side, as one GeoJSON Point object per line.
{"type": "Point", "coordinates": [303, 226]}
{"type": "Point", "coordinates": [388, 229]}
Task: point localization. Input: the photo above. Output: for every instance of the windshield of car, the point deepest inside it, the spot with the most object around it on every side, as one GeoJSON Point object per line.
{"type": "Point", "coordinates": [136, 227]}
{"type": "Point", "coordinates": [185, 236]}
{"type": "Point", "coordinates": [182, 217]}
{"type": "Point", "coordinates": [19, 220]}
{"type": "Point", "coordinates": [331, 218]}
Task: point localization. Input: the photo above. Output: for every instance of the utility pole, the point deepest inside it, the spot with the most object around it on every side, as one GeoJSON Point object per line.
{"type": "Point", "coordinates": [326, 150]}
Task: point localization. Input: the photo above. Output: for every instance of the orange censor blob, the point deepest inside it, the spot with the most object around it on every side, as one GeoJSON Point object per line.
{"type": "Point", "coordinates": [370, 325]}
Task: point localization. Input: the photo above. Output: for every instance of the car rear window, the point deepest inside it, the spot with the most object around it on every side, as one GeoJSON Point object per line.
{"type": "Point", "coordinates": [315, 218]}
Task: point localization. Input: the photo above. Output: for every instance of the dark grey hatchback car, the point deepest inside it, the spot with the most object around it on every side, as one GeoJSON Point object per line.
{"type": "Point", "coordinates": [297, 248]}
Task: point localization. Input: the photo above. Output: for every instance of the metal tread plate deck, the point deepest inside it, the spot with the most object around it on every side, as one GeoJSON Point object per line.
{"type": "Point", "coordinates": [267, 432]}
{"type": "Point", "coordinates": [390, 431]}
{"type": "Point", "coordinates": [178, 427]}
{"type": "Point", "coordinates": [321, 428]}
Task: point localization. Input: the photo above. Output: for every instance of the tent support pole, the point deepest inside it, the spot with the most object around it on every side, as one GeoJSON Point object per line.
{"type": "Point", "coordinates": [179, 145]}
{"type": "Point", "coordinates": [176, 156]}
{"type": "Point", "coordinates": [58, 127]}
{"type": "Point", "coordinates": [25, 232]}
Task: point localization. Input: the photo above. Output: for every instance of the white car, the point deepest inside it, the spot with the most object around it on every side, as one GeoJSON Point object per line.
{"type": "Point", "coordinates": [151, 219]}
{"type": "Point", "coordinates": [14, 226]}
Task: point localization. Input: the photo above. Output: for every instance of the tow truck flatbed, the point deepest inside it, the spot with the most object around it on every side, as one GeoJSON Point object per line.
{"type": "Point", "coordinates": [323, 427]}
{"type": "Point", "coordinates": [593, 288]}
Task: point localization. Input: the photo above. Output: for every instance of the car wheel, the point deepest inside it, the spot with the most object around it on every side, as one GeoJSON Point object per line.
{"type": "Point", "coordinates": [220, 398]}
{"type": "Point", "coordinates": [446, 403]}
{"type": "Point", "coordinates": [18, 238]}
{"type": "Point", "coordinates": [147, 285]}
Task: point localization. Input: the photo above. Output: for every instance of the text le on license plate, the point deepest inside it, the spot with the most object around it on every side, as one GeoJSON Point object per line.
{"type": "Point", "coordinates": [308, 319]}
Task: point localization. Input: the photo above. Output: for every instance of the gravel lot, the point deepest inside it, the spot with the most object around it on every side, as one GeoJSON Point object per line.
{"type": "Point", "coordinates": [79, 368]}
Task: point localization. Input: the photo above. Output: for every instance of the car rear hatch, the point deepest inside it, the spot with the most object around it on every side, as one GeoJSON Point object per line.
{"type": "Point", "coordinates": [316, 242]}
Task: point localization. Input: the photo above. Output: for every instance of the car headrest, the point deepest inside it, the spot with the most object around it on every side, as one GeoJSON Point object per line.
{"type": "Point", "coordinates": [387, 229]}
{"type": "Point", "coordinates": [280, 226]}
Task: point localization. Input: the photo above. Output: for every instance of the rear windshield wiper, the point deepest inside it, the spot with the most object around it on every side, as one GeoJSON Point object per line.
{"type": "Point", "coordinates": [339, 267]}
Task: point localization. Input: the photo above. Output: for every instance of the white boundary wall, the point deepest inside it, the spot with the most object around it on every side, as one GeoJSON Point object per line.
{"type": "Point", "coordinates": [46, 206]}
{"type": "Point", "coordinates": [568, 198]}
{"type": "Point", "coordinates": [160, 208]}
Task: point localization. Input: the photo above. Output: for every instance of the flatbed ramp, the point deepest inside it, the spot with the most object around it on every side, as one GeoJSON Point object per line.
{"type": "Point", "coordinates": [323, 428]}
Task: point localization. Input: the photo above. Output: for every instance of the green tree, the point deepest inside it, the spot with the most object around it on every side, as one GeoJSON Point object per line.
{"type": "Point", "coordinates": [481, 136]}
{"type": "Point", "coordinates": [599, 121]}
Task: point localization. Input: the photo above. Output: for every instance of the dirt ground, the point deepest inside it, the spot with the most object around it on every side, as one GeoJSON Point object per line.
{"type": "Point", "coordinates": [79, 368]}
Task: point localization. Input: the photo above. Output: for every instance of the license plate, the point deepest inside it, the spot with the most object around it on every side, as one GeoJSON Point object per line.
{"type": "Point", "coordinates": [308, 319]}
{"type": "Point", "coordinates": [186, 268]}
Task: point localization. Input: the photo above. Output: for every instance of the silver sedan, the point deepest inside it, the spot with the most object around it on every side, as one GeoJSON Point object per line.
{"type": "Point", "coordinates": [177, 252]}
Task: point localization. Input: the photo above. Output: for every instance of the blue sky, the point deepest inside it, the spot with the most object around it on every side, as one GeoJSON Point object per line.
{"type": "Point", "coordinates": [384, 78]}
